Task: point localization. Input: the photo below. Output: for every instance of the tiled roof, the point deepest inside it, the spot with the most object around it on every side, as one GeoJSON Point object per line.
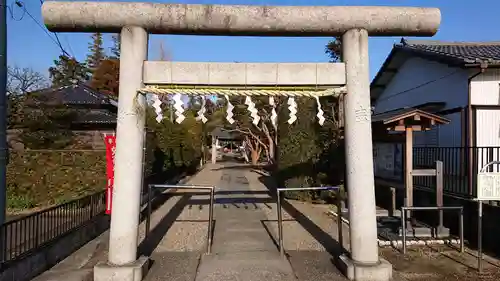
{"type": "Point", "coordinates": [467, 52]}
{"type": "Point", "coordinates": [74, 95]}
{"type": "Point", "coordinates": [90, 106]}
{"type": "Point", "coordinates": [458, 54]}
{"type": "Point", "coordinates": [402, 113]}
{"type": "Point", "coordinates": [225, 134]}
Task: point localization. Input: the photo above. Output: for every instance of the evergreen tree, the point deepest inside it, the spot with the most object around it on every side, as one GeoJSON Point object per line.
{"type": "Point", "coordinates": [334, 49]}
{"type": "Point", "coordinates": [115, 49]}
{"type": "Point", "coordinates": [96, 52]}
{"type": "Point", "coordinates": [67, 71]}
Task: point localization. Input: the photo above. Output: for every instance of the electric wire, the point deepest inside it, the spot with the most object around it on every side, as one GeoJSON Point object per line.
{"type": "Point", "coordinates": [420, 85]}
{"type": "Point", "coordinates": [56, 40]}
{"type": "Point", "coordinates": [11, 8]}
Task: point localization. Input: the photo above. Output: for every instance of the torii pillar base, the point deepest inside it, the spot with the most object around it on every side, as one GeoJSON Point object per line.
{"type": "Point", "coordinates": [130, 272]}
{"type": "Point", "coordinates": [382, 271]}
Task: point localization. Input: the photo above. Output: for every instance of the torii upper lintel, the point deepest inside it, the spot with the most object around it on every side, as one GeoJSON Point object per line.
{"type": "Point", "coordinates": [240, 20]}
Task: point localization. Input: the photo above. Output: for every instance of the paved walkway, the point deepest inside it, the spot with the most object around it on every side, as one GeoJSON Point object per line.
{"type": "Point", "coordinates": [244, 239]}
{"type": "Point", "coordinates": [242, 248]}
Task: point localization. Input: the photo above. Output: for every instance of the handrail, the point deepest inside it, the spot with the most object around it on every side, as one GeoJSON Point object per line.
{"type": "Point", "coordinates": [483, 169]}
{"type": "Point", "coordinates": [280, 211]}
{"type": "Point", "coordinates": [185, 186]}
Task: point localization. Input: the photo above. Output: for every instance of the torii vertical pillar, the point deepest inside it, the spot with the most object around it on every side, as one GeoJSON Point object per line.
{"type": "Point", "coordinates": [363, 262]}
{"type": "Point", "coordinates": [123, 234]}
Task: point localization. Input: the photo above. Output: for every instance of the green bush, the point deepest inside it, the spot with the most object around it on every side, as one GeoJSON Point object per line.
{"type": "Point", "coordinates": [309, 154]}
{"type": "Point", "coordinates": [172, 148]}
{"type": "Point", "coordinates": [39, 178]}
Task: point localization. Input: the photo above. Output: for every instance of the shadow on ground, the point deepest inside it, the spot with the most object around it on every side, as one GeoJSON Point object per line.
{"type": "Point", "coordinates": [331, 245]}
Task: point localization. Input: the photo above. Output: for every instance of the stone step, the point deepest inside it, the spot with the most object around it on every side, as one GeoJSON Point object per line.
{"type": "Point", "coordinates": [245, 266]}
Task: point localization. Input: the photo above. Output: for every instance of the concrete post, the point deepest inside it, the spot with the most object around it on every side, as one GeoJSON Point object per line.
{"type": "Point", "coordinates": [123, 234]}
{"type": "Point", "coordinates": [363, 263]}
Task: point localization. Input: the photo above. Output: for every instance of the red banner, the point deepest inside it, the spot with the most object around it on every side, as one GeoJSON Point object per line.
{"type": "Point", "coordinates": [110, 141]}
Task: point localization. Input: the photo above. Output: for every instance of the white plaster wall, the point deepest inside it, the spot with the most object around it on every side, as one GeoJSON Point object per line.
{"type": "Point", "coordinates": [416, 71]}
{"type": "Point", "coordinates": [406, 89]}
{"type": "Point", "coordinates": [485, 89]}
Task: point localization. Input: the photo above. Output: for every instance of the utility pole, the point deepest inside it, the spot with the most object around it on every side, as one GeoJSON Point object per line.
{"type": "Point", "coordinates": [3, 122]}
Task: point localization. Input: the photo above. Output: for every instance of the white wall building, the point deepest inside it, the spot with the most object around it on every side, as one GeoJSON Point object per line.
{"type": "Point", "coordinates": [457, 80]}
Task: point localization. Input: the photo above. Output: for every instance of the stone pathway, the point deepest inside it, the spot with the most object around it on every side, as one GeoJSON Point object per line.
{"type": "Point", "coordinates": [242, 248]}
{"type": "Point", "coordinates": [244, 244]}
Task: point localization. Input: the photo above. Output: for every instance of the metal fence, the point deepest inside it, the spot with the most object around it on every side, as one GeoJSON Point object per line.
{"type": "Point", "coordinates": [23, 235]}
{"type": "Point", "coordinates": [460, 166]}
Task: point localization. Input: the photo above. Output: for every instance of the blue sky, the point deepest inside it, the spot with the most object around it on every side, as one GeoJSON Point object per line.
{"type": "Point", "coordinates": [462, 20]}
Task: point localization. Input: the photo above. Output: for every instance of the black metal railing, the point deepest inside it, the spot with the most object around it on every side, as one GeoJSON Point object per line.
{"type": "Point", "coordinates": [23, 235]}
{"type": "Point", "coordinates": [460, 167]}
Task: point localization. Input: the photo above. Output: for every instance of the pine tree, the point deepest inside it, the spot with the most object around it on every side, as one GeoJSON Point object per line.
{"type": "Point", "coordinates": [67, 71]}
{"type": "Point", "coordinates": [334, 49]}
{"type": "Point", "coordinates": [115, 49]}
{"type": "Point", "coordinates": [96, 50]}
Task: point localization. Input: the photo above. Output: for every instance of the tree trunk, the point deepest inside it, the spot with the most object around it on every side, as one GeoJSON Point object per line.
{"type": "Point", "coordinates": [255, 156]}
{"type": "Point", "coordinates": [270, 150]}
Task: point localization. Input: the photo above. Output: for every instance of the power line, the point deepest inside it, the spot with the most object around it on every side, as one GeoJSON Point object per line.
{"type": "Point", "coordinates": [420, 85]}
{"type": "Point", "coordinates": [57, 37]}
{"type": "Point", "coordinates": [56, 41]}
{"type": "Point", "coordinates": [10, 9]}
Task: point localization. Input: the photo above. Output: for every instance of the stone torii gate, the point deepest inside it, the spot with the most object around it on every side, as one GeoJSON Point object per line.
{"type": "Point", "coordinates": [136, 20]}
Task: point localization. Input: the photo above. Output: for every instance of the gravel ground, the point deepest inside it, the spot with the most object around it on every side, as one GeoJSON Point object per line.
{"type": "Point", "coordinates": [306, 227]}
{"type": "Point", "coordinates": [188, 225]}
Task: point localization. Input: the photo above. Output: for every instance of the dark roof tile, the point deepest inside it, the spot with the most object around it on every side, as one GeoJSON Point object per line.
{"type": "Point", "coordinates": [467, 52]}
{"type": "Point", "coordinates": [74, 95]}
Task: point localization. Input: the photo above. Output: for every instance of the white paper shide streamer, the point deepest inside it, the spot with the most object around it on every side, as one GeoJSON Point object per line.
{"type": "Point", "coordinates": [229, 111]}
{"type": "Point", "coordinates": [274, 116]}
{"type": "Point", "coordinates": [321, 118]}
{"type": "Point", "coordinates": [179, 109]}
{"type": "Point", "coordinates": [292, 107]}
{"type": "Point", "coordinates": [157, 106]}
{"type": "Point", "coordinates": [201, 112]}
{"type": "Point", "coordinates": [253, 111]}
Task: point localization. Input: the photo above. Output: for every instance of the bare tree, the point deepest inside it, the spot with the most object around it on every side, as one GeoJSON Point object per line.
{"type": "Point", "coordinates": [24, 80]}
{"type": "Point", "coordinates": [261, 137]}
{"type": "Point", "coordinates": [163, 54]}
